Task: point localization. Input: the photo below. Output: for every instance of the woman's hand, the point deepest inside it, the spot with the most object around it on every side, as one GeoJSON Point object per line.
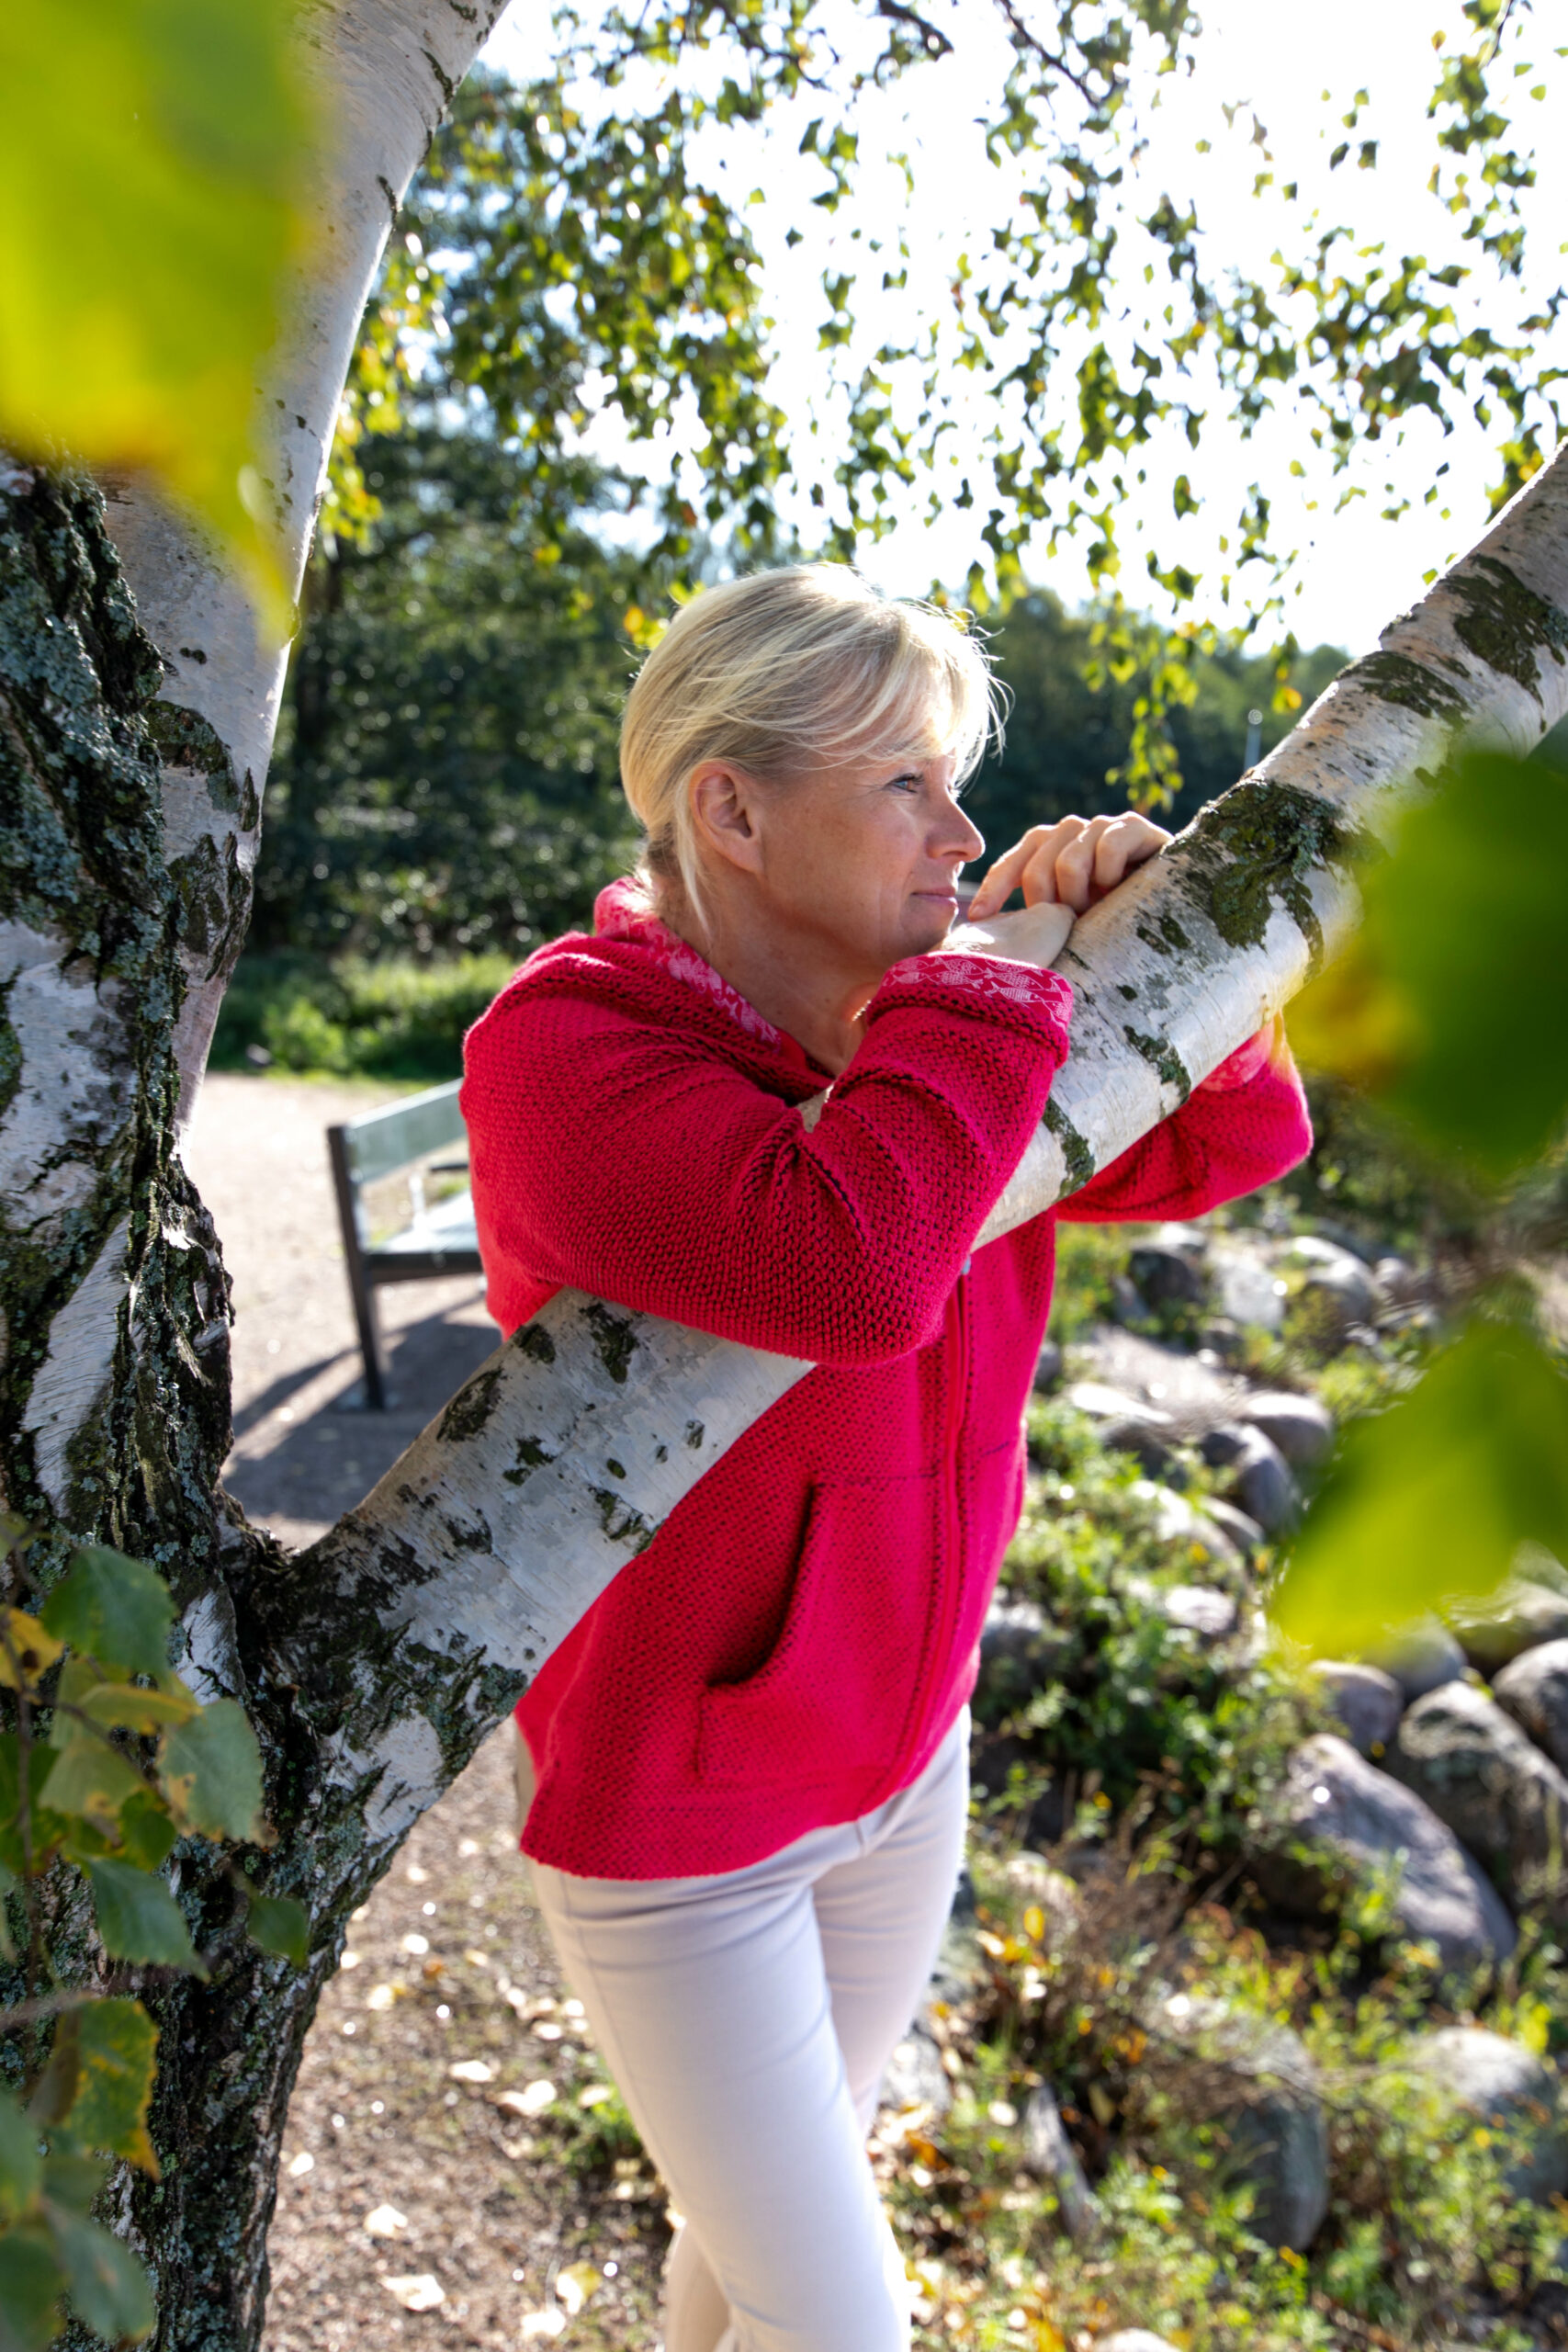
{"type": "Point", "coordinates": [1035, 936]}
{"type": "Point", "coordinates": [1072, 864]}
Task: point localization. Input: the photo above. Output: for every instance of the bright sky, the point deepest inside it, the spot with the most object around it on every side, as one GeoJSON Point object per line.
{"type": "Point", "coordinates": [1357, 571]}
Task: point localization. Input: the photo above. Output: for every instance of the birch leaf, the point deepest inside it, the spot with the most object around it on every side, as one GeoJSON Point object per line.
{"type": "Point", "coordinates": [113, 1608]}
{"type": "Point", "coordinates": [122, 1706]}
{"type": "Point", "coordinates": [92, 1780]}
{"type": "Point", "coordinates": [150, 151]}
{"type": "Point", "coordinates": [277, 1924]}
{"type": "Point", "coordinates": [21, 2167]}
{"type": "Point", "coordinates": [211, 1774]}
{"type": "Point", "coordinates": [139, 1918]}
{"type": "Point", "coordinates": [1427, 1503]}
{"type": "Point", "coordinates": [30, 2287]}
{"type": "Point", "coordinates": [105, 2284]}
{"type": "Point", "coordinates": [34, 1648]}
{"type": "Point", "coordinates": [98, 2081]}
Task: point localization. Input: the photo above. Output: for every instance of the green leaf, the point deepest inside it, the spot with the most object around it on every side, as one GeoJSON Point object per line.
{"type": "Point", "coordinates": [121, 1706]}
{"type": "Point", "coordinates": [147, 1836]}
{"type": "Point", "coordinates": [113, 1608]}
{"type": "Point", "coordinates": [31, 2284]}
{"type": "Point", "coordinates": [150, 168]}
{"type": "Point", "coordinates": [21, 2167]}
{"type": "Point", "coordinates": [73, 2181]}
{"type": "Point", "coordinates": [211, 1769]}
{"type": "Point", "coordinates": [77, 1677]}
{"type": "Point", "coordinates": [1427, 1503]}
{"type": "Point", "coordinates": [9, 1884]}
{"type": "Point", "coordinates": [139, 1918]}
{"type": "Point", "coordinates": [1447, 1003]}
{"type": "Point", "coordinates": [98, 2081]}
{"type": "Point", "coordinates": [48, 1828]}
{"type": "Point", "coordinates": [107, 2285]}
{"type": "Point", "coordinates": [280, 1925]}
{"type": "Point", "coordinates": [94, 1780]}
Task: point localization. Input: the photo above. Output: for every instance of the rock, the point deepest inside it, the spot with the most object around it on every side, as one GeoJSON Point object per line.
{"type": "Point", "coordinates": [1148, 1436]}
{"type": "Point", "coordinates": [1128, 1303]}
{"type": "Point", "coordinates": [1102, 1403]}
{"type": "Point", "coordinates": [1507, 2088]}
{"type": "Point", "coordinates": [1050, 2155]}
{"type": "Point", "coordinates": [1146, 1372]}
{"type": "Point", "coordinates": [1368, 1702]}
{"type": "Point", "coordinates": [1338, 1276]}
{"type": "Point", "coordinates": [1421, 1657]}
{"type": "Point", "coordinates": [915, 2076]}
{"type": "Point", "coordinates": [1501, 1797]}
{"type": "Point", "coordinates": [1047, 1368]}
{"type": "Point", "coordinates": [1199, 1608]}
{"type": "Point", "coordinates": [1258, 1471]}
{"type": "Point", "coordinates": [1177, 1522]}
{"type": "Point", "coordinates": [1275, 2123]}
{"type": "Point", "coordinates": [1521, 1617]}
{"type": "Point", "coordinates": [1233, 1521]}
{"type": "Point", "coordinates": [1359, 1821]}
{"type": "Point", "coordinates": [1169, 1271]}
{"type": "Point", "coordinates": [1534, 1690]}
{"type": "Point", "coordinates": [1246, 1288]}
{"type": "Point", "coordinates": [1021, 1649]}
{"type": "Point", "coordinates": [1299, 1426]}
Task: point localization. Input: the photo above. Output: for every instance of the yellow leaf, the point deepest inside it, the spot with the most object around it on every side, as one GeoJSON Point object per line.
{"type": "Point", "coordinates": [33, 1650]}
{"type": "Point", "coordinates": [575, 2285]}
{"type": "Point", "coordinates": [151, 155]}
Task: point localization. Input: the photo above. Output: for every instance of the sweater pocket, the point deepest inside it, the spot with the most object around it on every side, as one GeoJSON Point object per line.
{"type": "Point", "coordinates": [832, 1698]}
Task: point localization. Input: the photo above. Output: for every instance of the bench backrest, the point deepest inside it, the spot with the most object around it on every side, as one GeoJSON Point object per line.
{"type": "Point", "coordinates": [383, 1141]}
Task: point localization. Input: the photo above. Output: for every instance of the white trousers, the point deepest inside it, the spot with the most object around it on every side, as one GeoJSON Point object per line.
{"type": "Point", "coordinates": [747, 2019]}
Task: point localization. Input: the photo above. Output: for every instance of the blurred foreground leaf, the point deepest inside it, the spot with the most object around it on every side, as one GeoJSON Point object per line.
{"type": "Point", "coordinates": [278, 1925]}
{"type": "Point", "coordinates": [150, 156]}
{"type": "Point", "coordinates": [99, 2079]}
{"type": "Point", "coordinates": [1428, 1502]}
{"type": "Point", "coordinates": [211, 1769]}
{"type": "Point", "coordinates": [1447, 1004]}
{"type": "Point", "coordinates": [21, 2167]}
{"type": "Point", "coordinates": [30, 2287]}
{"type": "Point", "coordinates": [107, 2285]}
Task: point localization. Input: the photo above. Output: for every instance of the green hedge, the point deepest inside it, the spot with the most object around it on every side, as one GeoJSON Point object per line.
{"type": "Point", "coordinates": [396, 1018]}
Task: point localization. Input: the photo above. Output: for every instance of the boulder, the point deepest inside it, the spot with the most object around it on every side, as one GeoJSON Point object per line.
{"type": "Point", "coordinates": [1200, 1608]}
{"type": "Point", "coordinates": [1507, 2088]}
{"type": "Point", "coordinates": [1246, 1288]}
{"type": "Point", "coordinates": [1368, 1702]}
{"type": "Point", "coordinates": [1170, 1271]}
{"type": "Point", "coordinates": [1021, 1650]}
{"type": "Point", "coordinates": [1050, 2156]}
{"type": "Point", "coordinates": [915, 2076]}
{"type": "Point", "coordinates": [1501, 1797]}
{"type": "Point", "coordinates": [1101, 1402]}
{"type": "Point", "coordinates": [1148, 1435]}
{"type": "Point", "coordinates": [1520, 1617]}
{"type": "Point", "coordinates": [1259, 1475]}
{"type": "Point", "coordinates": [1299, 1426]}
{"type": "Point", "coordinates": [1270, 2110]}
{"type": "Point", "coordinates": [1338, 1275]}
{"type": "Point", "coordinates": [1534, 1690]}
{"type": "Point", "coordinates": [1421, 1657]}
{"type": "Point", "coordinates": [1178, 1521]}
{"type": "Point", "coordinates": [1243, 1532]}
{"type": "Point", "coordinates": [1353, 1821]}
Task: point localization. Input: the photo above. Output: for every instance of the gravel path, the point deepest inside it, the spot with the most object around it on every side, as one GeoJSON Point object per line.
{"type": "Point", "coordinates": [489, 2228]}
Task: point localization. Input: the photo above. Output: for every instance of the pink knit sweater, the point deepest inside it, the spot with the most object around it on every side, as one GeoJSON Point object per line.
{"type": "Point", "coordinates": [796, 1642]}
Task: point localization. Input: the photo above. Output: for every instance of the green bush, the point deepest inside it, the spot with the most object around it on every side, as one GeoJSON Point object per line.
{"type": "Point", "coordinates": [398, 1018]}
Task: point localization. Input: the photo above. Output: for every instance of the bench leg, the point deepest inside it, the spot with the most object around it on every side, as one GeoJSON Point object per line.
{"type": "Point", "coordinates": [362, 1291]}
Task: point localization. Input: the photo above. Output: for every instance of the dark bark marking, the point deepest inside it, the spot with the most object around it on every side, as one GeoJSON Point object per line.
{"type": "Point", "coordinates": [1162, 1057]}
{"type": "Point", "coordinates": [1505, 624]}
{"type": "Point", "coordinates": [1394, 677]}
{"type": "Point", "coordinates": [614, 1339]}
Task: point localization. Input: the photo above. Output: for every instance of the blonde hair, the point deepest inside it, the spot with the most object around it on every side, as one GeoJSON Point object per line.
{"type": "Point", "coordinates": [804, 665]}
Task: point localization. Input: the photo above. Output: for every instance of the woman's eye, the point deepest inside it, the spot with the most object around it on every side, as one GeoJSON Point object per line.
{"type": "Point", "coordinates": [905, 784]}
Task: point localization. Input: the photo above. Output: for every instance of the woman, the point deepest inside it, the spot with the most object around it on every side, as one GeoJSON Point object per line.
{"type": "Point", "coordinates": [745, 1770]}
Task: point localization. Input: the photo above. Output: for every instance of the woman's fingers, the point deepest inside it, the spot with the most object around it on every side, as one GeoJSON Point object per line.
{"type": "Point", "coordinates": [1074, 861]}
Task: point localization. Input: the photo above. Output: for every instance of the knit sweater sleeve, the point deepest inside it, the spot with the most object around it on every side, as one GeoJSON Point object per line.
{"type": "Point", "coordinates": [1245, 1125]}
{"type": "Point", "coordinates": [633, 1159]}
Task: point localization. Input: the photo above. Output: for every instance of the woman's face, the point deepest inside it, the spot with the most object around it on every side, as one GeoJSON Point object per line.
{"type": "Point", "coordinates": [859, 863]}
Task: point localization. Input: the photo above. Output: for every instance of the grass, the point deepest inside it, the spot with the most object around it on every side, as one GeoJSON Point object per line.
{"type": "Point", "coordinates": [396, 1018]}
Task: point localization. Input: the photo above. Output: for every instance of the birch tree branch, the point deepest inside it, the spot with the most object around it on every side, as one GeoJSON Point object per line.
{"type": "Point", "coordinates": [558, 1461]}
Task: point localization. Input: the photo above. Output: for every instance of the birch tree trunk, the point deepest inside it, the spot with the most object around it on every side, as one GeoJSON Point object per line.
{"type": "Point", "coordinates": [134, 745]}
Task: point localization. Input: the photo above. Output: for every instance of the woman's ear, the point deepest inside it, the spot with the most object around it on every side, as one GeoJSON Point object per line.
{"type": "Point", "coordinates": [724, 813]}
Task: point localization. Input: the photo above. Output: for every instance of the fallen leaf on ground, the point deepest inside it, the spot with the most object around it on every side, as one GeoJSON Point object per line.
{"type": "Point", "coordinates": [471, 2070]}
{"type": "Point", "coordinates": [416, 1944]}
{"type": "Point", "coordinates": [595, 2095]}
{"type": "Point", "coordinates": [379, 1996]}
{"type": "Point", "coordinates": [536, 2323]}
{"type": "Point", "coordinates": [385, 2222]}
{"type": "Point", "coordinates": [422, 2293]}
{"type": "Point", "coordinates": [575, 2285]}
{"type": "Point", "coordinates": [300, 2164]}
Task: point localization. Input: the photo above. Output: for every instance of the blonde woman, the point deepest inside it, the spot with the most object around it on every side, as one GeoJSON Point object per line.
{"type": "Point", "coordinates": [745, 1772]}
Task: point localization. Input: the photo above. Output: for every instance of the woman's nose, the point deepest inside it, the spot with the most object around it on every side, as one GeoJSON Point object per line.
{"type": "Point", "coordinates": [961, 839]}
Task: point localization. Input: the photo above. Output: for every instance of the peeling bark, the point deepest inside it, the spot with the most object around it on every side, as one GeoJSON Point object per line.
{"type": "Point", "coordinates": [133, 747]}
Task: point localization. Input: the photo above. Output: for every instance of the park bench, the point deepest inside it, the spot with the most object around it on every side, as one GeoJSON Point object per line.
{"type": "Point", "coordinates": [438, 1239]}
